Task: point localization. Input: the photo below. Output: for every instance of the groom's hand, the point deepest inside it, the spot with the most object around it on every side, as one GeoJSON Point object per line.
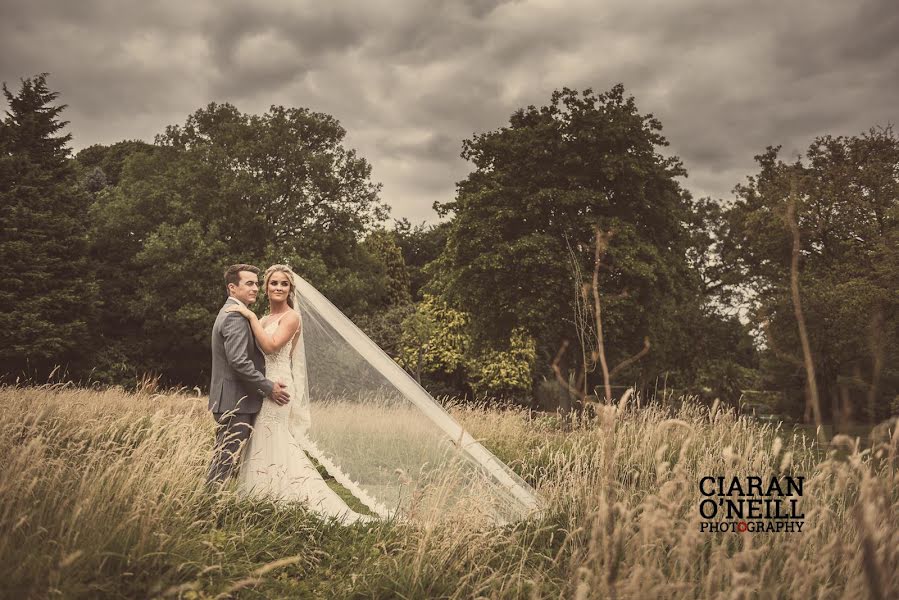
{"type": "Point", "coordinates": [279, 393]}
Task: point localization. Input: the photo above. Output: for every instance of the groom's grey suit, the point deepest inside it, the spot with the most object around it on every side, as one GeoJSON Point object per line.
{"type": "Point", "coordinates": [237, 388]}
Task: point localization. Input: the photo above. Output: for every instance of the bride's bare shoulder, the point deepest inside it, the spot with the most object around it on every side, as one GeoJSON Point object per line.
{"type": "Point", "coordinates": [291, 319]}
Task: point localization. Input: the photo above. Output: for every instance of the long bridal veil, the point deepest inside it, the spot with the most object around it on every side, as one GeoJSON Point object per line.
{"type": "Point", "coordinates": [382, 436]}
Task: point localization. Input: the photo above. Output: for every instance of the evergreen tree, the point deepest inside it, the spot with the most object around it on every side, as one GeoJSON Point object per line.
{"type": "Point", "coordinates": [48, 292]}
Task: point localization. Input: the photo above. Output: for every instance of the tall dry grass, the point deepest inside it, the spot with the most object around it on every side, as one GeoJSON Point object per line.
{"type": "Point", "coordinates": [102, 496]}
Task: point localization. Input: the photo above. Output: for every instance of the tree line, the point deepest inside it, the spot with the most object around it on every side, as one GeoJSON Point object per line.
{"type": "Point", "coordinates": [112, 259]}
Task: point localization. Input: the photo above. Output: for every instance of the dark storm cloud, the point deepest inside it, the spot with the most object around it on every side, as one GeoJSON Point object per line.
{"type": "Point", "coordinates": [410, 80]}
{"type": "Point", "coordinates": [257, 49]}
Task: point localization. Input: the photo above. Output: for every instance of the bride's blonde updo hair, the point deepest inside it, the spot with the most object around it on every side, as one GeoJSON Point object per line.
{"type": "Point", "coordinates": [280, 269]}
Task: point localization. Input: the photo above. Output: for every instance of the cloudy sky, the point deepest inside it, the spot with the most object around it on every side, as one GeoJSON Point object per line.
{"type": "Point", "coordinates": [409, 80]}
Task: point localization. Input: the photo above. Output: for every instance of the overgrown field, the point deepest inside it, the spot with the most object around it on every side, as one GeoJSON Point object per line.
{"type": "Point", "coordinates": [101, 496]}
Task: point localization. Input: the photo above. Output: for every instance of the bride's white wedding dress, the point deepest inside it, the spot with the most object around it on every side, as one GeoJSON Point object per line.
{"type": "Point", "coordinates": [375, 430]}
{"type": "Point", "coordinates": [274, 464]}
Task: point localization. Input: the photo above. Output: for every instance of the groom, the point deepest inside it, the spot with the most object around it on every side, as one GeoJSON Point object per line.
{"type": "Point", "coordinates": [238, 375]}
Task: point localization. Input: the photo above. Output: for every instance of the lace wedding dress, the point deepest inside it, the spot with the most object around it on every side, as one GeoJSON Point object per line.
{"type": "Point", "coordinates": [274, 463]}
{"type": "Point", "coordinates": [374, 429]}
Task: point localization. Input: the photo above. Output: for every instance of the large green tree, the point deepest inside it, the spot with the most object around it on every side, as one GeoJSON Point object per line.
{"type": "Point", "coordinates": [520, 242]}
{"type": "Point", "coordinates": [227, 187]}
{"type": "Point", "coordinates": [290, 169]}
{"type": "Point", "coordinates": [846, 194]}
{"type": "Point", "coordinates": [48, 289]}
{"type": "Point", "coordinates": [145, 236]}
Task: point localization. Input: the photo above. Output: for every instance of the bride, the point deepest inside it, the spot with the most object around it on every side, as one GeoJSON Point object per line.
{"type": "Point", "coordinates": [274, 464]}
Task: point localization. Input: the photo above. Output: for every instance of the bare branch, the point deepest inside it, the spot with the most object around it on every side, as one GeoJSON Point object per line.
{"type": "Point", "coordinates": [558, 371]}
{"type": "Point", "coordinates": [632, 359]}
{"type": "Point", "coordinates": [602, 240]}
{"type": "Point", "coordinates": [597, 354]}
{"type": "Point", "coordinates": [812, 384]}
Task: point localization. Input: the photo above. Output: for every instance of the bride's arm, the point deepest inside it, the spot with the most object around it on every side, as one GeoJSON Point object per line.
{"type": "Point", "coordinates": [273, 342]}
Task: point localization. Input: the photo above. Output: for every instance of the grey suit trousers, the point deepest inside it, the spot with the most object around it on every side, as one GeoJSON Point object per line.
{"type": "Point", "coordinates": [231, 433]}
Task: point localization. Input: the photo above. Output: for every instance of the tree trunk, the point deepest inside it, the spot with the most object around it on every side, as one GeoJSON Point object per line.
{"type": "Point", "coordinates": [811, 383]}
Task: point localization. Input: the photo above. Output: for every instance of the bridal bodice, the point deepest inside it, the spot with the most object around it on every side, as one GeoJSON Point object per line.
{"type": "Point", "coordinates": [277, 368]}
{"type": "Point", "coordinates": [278, 361]}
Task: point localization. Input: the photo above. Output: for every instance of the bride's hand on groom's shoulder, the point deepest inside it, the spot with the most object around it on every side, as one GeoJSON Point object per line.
{"type": "Point", "coordinates": [242, 310]}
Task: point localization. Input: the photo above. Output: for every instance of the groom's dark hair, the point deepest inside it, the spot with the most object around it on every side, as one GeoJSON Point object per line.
{"type": "Point", "coordinates": [232, 273]}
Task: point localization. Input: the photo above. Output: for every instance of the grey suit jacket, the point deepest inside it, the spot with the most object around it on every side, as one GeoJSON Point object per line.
{"type": "Point", "coordinates": [238, 366]}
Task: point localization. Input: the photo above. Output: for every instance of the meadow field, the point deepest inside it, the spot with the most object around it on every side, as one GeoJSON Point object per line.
{"type": "Point", "coordinates": [102, 496]}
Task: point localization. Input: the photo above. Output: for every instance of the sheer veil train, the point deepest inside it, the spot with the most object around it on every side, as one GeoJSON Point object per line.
{"type": "Point", "coordinates": [381, 435]}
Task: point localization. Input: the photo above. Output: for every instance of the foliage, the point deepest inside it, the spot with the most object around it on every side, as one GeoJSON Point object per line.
{"type": "Point", "coordinates": [382, 244]}
{"type": "Point", "coordinates": [386, 327]}
{"type": "Point", "coordinates": [113, 259]}
{"type": "Point", "coordinates": [520, 241]}
{"type": "Point", "coordinates": [507, 372]}
{"type": "Point", "coordinates": [848, 218]}
{"type": "Point", "coordinates": [48, 289]}
{"type": "Point", "coordinates": [421, 245]}
{"type": "Point", "coordinates": [108, 161]}
{"type": "Point", "coordinates": [436, 340]}
{"type": "Point", "coordinates": [290, 170]}
{"type": "Point", "coordinates": [225, 188]}
{"type": "Point", "coordinates": [172, 302]}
